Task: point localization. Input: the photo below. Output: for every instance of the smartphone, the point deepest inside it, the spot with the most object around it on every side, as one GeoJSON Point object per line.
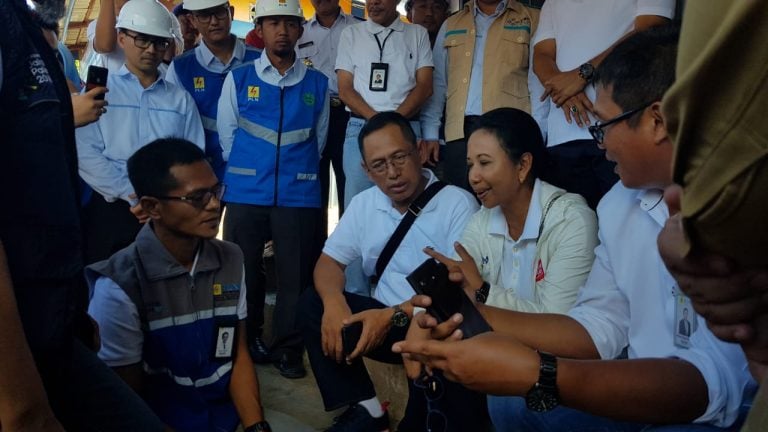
{"type": "Point", "coordinates": [431, 279]}
{"type": "Point", "coordinates": [97, 77]}
{"type": "Point", "coordinates": [350, 336]}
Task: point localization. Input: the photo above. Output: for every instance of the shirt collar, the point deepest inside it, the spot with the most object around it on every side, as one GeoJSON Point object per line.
{"type": "Point", "coordinates": [263, 65]}
{"type": "Point", "coordinates": [124, 73]}
{"type": "Point", "coordinates": [341, 18]}
{"type": "Point", "coordinates": [499, 7]}
{"type": "Point", "coordinates": [160, 264]}
{"type": "Point", "coordinates": [652, 202]}
{"type": "Point", "coordinates": [497, 225]}
{"type": "Point", "coordinates": [382, 201]}
{"type": "Point", "coordinates": [207, 55]}
{"type": "Point", "coordinates": [397, 25]}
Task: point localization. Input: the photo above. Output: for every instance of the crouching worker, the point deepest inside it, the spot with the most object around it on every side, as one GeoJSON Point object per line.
{"type": "Point", "coordinates": [171, 306]}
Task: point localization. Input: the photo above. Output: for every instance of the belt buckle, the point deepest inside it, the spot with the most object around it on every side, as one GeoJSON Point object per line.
{"type": "Point", "coordinates": [336, 102]}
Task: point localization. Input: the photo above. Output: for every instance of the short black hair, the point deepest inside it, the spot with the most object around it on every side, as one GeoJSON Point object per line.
{"type": "Point", "coordinates": [260, 20]}
{"type": "Point", "coordinates": [382, 120]}
{"type": "Point", "coordinates": [640, 68]}
{"type": "Point", "coordinates": [409, 4]}
{"type": "Point", "coordinates": [149, 169]}
{"type": "Point", "coordinates": [518, 133]}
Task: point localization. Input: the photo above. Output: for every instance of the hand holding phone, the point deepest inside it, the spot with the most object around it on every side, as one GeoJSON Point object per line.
{"type": "Point", "coordinates": [350, 336]}
{"type": "Point", "coordinates": [97, 77]}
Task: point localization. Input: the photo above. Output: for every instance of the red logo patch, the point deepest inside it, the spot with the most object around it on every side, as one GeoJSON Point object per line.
{"type": "Point", "coordinates": [539, 272]}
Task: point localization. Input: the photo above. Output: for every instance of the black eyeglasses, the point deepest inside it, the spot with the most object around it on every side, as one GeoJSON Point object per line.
{"type": "Point", "coordinates": [201, 198]}
{"type": "Point", "coordinates": [143, 42]}
{"type": "Point", "coordinates": [204, 16]}
{"type": "Point", "coordinates": [433, 391]}
{"type": "Point", "coordinates": [596, 130]}
{"type": "Point", "coordinates": [398, 160]}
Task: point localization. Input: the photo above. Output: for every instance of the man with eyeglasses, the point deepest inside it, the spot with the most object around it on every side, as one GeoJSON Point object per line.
{"type": "Point", "coordinates": [143, 107]}
{"type": "Point", "coordinates": [273, 121]}
{"type": "Point", "coordinates": [202, 71]}
{"type": "Point", "coordinates": [564, 372]}
{"type": "Point", "coordinates": [390, 155]}
{"type": "Point", "coordinates": [167, 304]}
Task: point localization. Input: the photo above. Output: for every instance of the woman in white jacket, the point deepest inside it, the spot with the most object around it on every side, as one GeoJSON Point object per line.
{"type": "Point", "coordinates": [532, 244]}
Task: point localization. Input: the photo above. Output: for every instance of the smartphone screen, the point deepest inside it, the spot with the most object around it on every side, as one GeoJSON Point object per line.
{"type": "Point", "coordinates": [97, 77]}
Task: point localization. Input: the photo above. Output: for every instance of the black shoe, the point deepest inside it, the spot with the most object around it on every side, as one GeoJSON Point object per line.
{"type": "Point", "coordinates": [259, 352]}
{"type": "Point", "coordinates": [357, 419]}
{"type": "Point", "coordinates": [291, 366]}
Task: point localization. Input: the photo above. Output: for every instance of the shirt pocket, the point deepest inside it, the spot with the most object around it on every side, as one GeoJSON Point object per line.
{"type": "Point", "coordinates": [308, 51]}
{"type": "Point", "coordinates": [457, 48]}
{"type": "Point", "coordinates": [514, 54]}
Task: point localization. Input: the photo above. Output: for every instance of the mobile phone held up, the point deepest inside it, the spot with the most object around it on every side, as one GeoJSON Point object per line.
{"type": "Point", "coordinates": [431, 279]}
{"type": "Point", "coordinates": [97, 77]}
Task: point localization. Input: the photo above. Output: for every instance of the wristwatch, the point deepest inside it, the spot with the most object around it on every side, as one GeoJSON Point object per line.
{"type": "Point", "coordinates": [587, 72]}
{"type": "Point", "coordinates": [261, 426]}
{"type": "Point", "coordinates": [543, 396]}
{"type": "Point", "coordinates": [400, 318]}
{"type": "Point", "coordinates": [481, 294]}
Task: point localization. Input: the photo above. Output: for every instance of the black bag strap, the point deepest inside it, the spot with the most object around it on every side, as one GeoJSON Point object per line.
{"type": "Point", "coordinates": [546, 210]}
{"type": "Point", "coordinates": [414, 210]}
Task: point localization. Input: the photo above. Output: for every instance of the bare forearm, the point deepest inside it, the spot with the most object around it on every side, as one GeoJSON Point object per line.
{"type": "Point", "coordinates": [555, 333]}
{"type": "Point", "coordinates": [415, 100]}
{"type": "Point", "coordinates": [244, 385]}
{"type": "Point", "coordinates": [329, 279]}
{"type": "Point", "coordinates": [106, 37]}
{"type": "Point", "coordinates": [544, 66]}
{"type": "Point", "coordinates": [641, 390]}
{"type": "Point", "coordinates": [356, 103]}
{"type": "Point", "coordinates": [22, 396]}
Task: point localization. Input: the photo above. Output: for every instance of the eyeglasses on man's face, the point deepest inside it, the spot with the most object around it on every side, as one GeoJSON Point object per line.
{"type": "Point", "coordinates": [204, 16]}
{"type": "Point", "coordinates": [143, 42]}
{"type": "Point", "coordinates": [397, 160]}
{"type": "Point", "coordinates": [200, 198]}
{"type": "Point", "coordinates": [597, 130]}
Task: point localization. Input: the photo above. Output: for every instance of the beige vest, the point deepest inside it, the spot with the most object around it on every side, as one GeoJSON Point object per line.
{"type": "Point", "coordinates": [505, 65]}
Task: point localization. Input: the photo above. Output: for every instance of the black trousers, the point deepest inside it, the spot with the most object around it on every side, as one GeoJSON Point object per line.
{"type": "Point", "coordinates": [292, 231]}
{"type": "Point", "coordinates": [108, 227]}
{"type": "Point", "coordinates": [342, 385]}
{"type": "Point", "coordinates": [581, 167]}
{"type": "Point", "coordinates": [333, 154]}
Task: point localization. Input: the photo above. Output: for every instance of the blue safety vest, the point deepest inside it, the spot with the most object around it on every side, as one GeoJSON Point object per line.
{"type": "Point", "coordinates": [205, 88]}
{"type": "Point", "coordinates": [274, 159]}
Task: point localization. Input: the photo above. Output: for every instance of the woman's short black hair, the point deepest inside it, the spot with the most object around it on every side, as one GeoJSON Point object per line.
{"type": "Point", "coordinates": [518, 133]}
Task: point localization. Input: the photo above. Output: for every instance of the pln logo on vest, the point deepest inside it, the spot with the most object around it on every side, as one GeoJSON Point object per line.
{"type": "Point", "coordinates": [309, 99]}
{"type": "Point", "coordinates": [199, 83]}
{"type": "Point", "coordinates": [253, 93]}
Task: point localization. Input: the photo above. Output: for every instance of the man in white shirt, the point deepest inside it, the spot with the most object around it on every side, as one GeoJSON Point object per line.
{"type": "Point", "coordinates": [392, 162]}
{"type": "Point", "coordinates": [142, 107]}
{"type": "Point", "coordinates": [629, 300]}
{"type": "Point", "coordinates": [572, 39]}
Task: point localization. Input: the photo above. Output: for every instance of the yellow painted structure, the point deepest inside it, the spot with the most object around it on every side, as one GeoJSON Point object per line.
{"type": "Point", "coordinates": [242, 8]}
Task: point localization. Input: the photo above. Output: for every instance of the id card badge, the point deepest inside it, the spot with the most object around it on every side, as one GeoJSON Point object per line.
{"type": "Point", "coordinates": [225, 340]}
{"type": "Point", "coordinates": [379, 75]}
{"type": "Point", "coordinates": [685, 321]}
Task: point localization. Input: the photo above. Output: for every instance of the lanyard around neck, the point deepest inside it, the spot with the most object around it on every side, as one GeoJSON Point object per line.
{"type": "Point", "coordinates": [382, 44]}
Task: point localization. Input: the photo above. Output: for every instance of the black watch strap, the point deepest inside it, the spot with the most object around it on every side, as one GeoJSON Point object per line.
{"type": "Point", "coordinates": [261, 426]}
{"type": "Point", "coordinates": [481, 294]}
{"type": "Point", "coordinates": [548, 372]}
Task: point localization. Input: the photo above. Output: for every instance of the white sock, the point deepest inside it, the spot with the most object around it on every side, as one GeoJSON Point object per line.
{"type": "Point", "coordinates": [373, 406]}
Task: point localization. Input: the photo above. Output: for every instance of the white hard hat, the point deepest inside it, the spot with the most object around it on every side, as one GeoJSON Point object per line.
{"type": "Point", "coordinates": [253, 12]}
{"type": "Point", "coordinates": [146, 16]}
{"type": "Point", "coordinates": [265, 8]}
{"type": "Point", "coordinates": [194, 5]}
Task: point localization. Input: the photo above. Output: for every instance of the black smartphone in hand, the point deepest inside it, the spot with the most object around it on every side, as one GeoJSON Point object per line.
{"type": "Point", "coordinates": [350, 336]}
{"type": "Point", "coordinates": [431, 279]}
{"type": "Point", "coordinates": [97, 77]}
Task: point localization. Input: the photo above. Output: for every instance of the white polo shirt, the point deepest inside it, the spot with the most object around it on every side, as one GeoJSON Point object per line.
{"type": "Point", "coordinates": [583, 29]}
{"type": "Point", "coordinates": [370, 220]}
{"type": "Point", "coordinates": [407, 50]}
{"type": "Point", "coordinates": [629, 299]}
{"type": "Point", "coordinates": [320, 45]}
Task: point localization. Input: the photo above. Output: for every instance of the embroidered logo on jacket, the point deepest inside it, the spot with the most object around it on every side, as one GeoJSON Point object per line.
{"type": "Point", "coordinates": [253, 93]}
{"type": "Point", "coordinates": [199, 83]}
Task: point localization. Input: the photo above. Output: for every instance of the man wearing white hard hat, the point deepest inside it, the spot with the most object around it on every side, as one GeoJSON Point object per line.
{"type": "Point", "coordinates": [201, 71]}
{"type": "Point", "coordinates": [273, 121]}
{"type": "Point", "coordinates": [143, 107]}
